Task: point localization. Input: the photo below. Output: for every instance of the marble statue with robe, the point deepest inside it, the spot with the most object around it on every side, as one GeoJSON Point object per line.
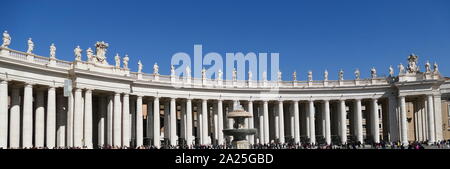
{"type": "Point", "coordinates": [101, 49]}
{"type": "Point", "coordinates": [6, 39]}
{"type": "Point", "coordinates": [341, 74]}
{"type": "Point", "coordinates": [125, 61]}
{"type": "Point", "coordinates": [172, 70]}
{"type": "Point", "coordinates": [294, 76]}
{"type": "Point", "coordinates": [250, 75]}
{"type": "Point", "coordinates": [30, 46]}
{"type": "Point", "coordinates": [156, 69]}
{"type": "Point", "coordinates": [412, 65]}
{"type": "Point", "coordinates": [391, 71]}
{"type": "Point", "coordinates": [325, 75]}
{"type": "Point", "coordinates": [140, 66]}
{"type": "Point", "coordinates": [77, 51]}
{"type": "Point", "coordinates": [234, 74]}
{"type": "Point", "coordinates": [428, 67]}
{"type": "Point", "coordinates": [90, 55]}
{"type": "Point", "coordinates": [357, 74]}
{"type": "Point", "coordinates": [117, 59]}
{"type": "Point", "coordinates": [436, 68]}
{"type": "Point", "coordinates": [52, 51]}
{"type": "Point", "coordinates": [401, 69]}
{"type": "Point", "coordinates": [203, 73]}
{"type": "Point", "coordinates": [373, 72]}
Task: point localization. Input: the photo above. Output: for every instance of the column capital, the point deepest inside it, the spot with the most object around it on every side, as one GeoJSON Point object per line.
{"type": "Point", "coordinates": [29, 84]}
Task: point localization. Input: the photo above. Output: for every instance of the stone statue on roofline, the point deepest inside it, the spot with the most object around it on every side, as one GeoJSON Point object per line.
{"type": "Point", "coordinates": [294, 76]}
{"type": "Point", "coordinates": [140, 66]}
{"type": "Point", "coordinates": [373, 72]}
{"type": "Point", "coordinates": [357, 74]}
{"type": "Point", "coordinates": [341, 74]}
{"type": "Point", "coordinates": [412, 63]}
{"type": "Point", "coordinates": [77, 52]}
{"type": "Point", "coordinates": [427, 67]}
{"type": "Point", "coordinates": [100, 57]}
{"type": "Point", "coordinates": [401, 69]}
{"type": "Point", "coordinates": [219, 74]}
{"type": "Point", "coordinates": [436, 68]}
{"type": "Point", "coordinates": [172, 70]}
{"type": "Point", "coordinates": [6, 39]}
{"type": "Point", "coordinates": [30, 46]}
{"type": "Point", "coordinates": [117, 59]}
{"type": "Point", "coordinates": [156, 69]}
{"type": "Point", "coordinates": [52, 51]}
{"type": "Point", "coordinates": [391, 71]}
{"type": "Point", "coordinates": [234, 74]}
{"type": "Point", "coordinates": [126, 59]}
{"type": "Point", "coordinates": [325, 75]}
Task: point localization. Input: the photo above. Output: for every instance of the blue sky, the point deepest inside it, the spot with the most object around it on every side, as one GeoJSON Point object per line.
{"type": "Point", "coordinates": [309, 35]}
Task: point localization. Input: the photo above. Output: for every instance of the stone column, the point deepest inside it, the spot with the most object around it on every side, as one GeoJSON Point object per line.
{"type": "Point", "coordinates": [375, 118]}
{"type": "Point", "coordinates": [296, 123]}
{"type": "Point", "coordinates": [139, 122]}
{"type": "Point", "coordinates": [438, 117]}
{"type": "Point", "coordinates": [61, 117]}
{"type": "Point", "coordinates": [393, 121]}
{"type": "Point", "coordinates": [88, 118]}
{"type": "Point", "coordinates": [189, 121]}
{"type": "Point", "coordinates": [312, 118]}
{"type": "Point", "coordinates": [261, 124]}
{"type": "Point", "coordinates": [149, 119]}
{"type": "Point", "coordinates": [27, 120]}
{"type": "Point", "coordinates": [39, 131]}
{"type": "Point", "coordinates": [3, 113]}
{"type": "Point", "coordinates": [14, 122]}
{"type": "Point", "coordinates": [205, 121]}
{"type": "Point", "coordinates": [70, 114]}
{"type": "Point", "coordinates": [403, 121]}
{"type": "Point", "coordinates": [281, 123]}
{"type": "Point", "coordinates": [220, 121]}
{"type": "Point", "coordinates": [78, 119]}
{"type": "Point", "coordinates": [117, 121]}
{"type": "Point", "coordinates": [51, 117]}
{"type": "Point", "coordinates": [126, 120]}
{"type": "Point", "coordinates": [173, 122]}
{"type": "Point", "coordinates": [266, 122]}
{"type": "Point", "coordinates": [430, 117]}
{"type": "Point", "coordinates": [358, 122]}
{"type": "Point", "coordinates": [250, 122]}
{"type": "Point", "coordinates": [326, 110]}
{"type": "Point", "coordinates": [156, 126]}
{"type": "Point", "coordinates": [101, 121]}
{"type": "Point", "coordinates": [199, 123]}
{"type": "Point", "coordinates": [183, 120]}
{"type": "Point", "coordinates": [109, 119]}
{"type": "Point", "coordinates": [166, 120]}
{"type": "Point", "coordinates": [343, 121]}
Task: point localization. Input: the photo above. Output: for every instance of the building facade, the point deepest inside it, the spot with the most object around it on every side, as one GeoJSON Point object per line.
{"type": "Point", "coordinates": [47, 102]}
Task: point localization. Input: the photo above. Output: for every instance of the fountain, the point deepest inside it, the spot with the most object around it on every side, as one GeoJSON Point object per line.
{"type": "Point", "coordinates": [238, 131]}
